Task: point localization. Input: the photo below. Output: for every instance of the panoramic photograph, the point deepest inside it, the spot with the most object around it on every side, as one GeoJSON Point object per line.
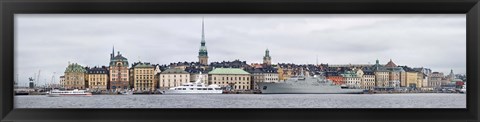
{"type": "Point", "coordinates": [240, 61]}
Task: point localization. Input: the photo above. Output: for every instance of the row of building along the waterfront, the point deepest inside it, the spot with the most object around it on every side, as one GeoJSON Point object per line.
{"type": "Point", "coordinates": [238, 75]}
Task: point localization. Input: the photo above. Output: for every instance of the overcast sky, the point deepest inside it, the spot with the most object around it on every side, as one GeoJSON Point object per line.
{"type": "Point", "coordinates": [47, 42]}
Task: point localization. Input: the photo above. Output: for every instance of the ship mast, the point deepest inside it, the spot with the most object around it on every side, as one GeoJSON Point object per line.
{"type": "Point", "coordinates": [199, 78]}
{"type": "Point", "coordinates": [38, 78]}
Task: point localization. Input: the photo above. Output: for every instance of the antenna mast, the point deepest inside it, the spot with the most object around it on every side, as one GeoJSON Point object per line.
{"type": "Point", "coordinates": [53, 79]}
{"type": "Point", "coordinates": [38, 77]}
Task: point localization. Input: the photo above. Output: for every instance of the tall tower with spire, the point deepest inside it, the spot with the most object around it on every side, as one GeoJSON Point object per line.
{"type": "Point", "coordinates": [451, 76]}
{"type": "Point", "coordinates": [267, 59]}
{"type": "Point", "coordinates": [113, 53]}
{"type": "Point", "coordinates": [202, 53]}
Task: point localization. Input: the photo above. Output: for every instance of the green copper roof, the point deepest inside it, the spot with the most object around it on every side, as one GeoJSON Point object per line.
{"type": "Point", "coordinates": [119, 58]}
{"type": "Point", "coordinates": [349, 74]}
{"type": "Point", "coordinates": [174, 71]}
{"type": "Point", "coordinates": [75, 68]}
{"type": "Point", "coordinates": [231, 71]}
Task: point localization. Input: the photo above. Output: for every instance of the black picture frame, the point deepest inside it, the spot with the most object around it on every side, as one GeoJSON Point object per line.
{"type": "Point", "coordinates": [11, 7]}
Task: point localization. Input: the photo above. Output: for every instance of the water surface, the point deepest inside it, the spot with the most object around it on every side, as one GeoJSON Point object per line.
{"type": "Point", "coordinates": [427, 100]}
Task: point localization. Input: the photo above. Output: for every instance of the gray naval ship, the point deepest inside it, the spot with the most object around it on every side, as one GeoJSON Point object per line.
{"type": "Point", "coordinates": [305, 85]}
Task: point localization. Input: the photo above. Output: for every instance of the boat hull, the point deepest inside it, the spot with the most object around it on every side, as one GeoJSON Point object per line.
{"type": "Point", "coordinates": [286, 88]}
{"type": "Point", "coordinates": [193, 92]}
{"type": "Point", "coordinates": [62, 95]}
{"type": "Point", "coordinates": [463, 91]}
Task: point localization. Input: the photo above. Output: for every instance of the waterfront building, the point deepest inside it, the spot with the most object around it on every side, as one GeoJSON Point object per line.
{"type": "Point", "coordinates": [267, 74]}
{"type": "Point", "coordinates": [203, 53]}
{"type": "Point", "coordinates": [270, 74]}
{"type": "Point", "coordinates": [358, 71]}
{"type": "Point", "coordinates": [368, 79]}
{"type": "Point", "coordinates": [410, 79]}
{"type": "Point", "coordinates": [288, 70]}
{"type": "Point", "coordinates": [352, 80]}
{"type": "Point", "coordinates": [421, 79]}
{"type": "Point", "coordinates": [97, 78]}
{"type": "Point", "coordinates": [119, 72]}
{"type": "Point", "coordinates": [157, 76]}
{"type": "Point", "coordinates": [381, 75]}
{"type": "Point", "coordinates": [173, 77]}
{"type": "Point", "coordinates": [435, 80]}
{"type": "Point", "coordinates": [62, 81]}
{"type": "Point", "coordinates": [195, 74]}
{"type": "Point", "coordinates": [280, 73]}
{"type": "Point", "coordinates": [231, 78]}
{"type": "Point", "coordinates": [425, 74]}
{"type": "Point", "coordinates": [143, 76]}
{"type": "Point", "coordinates": [335, 77]}
{"type": "Point", "coordinates": [131, 80]}
{"type": "Point", "coordinates": [394, 74]}
{"type": "Point", "coordinates": [267, 60]}
{"type": "Point", "coordinates": [257, 76]}
{"type": "Point", "coordinates": [75, 76]}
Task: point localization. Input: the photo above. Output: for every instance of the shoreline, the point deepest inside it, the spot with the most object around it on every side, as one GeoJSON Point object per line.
{"type": "Point", "coordinates": [38, 94]}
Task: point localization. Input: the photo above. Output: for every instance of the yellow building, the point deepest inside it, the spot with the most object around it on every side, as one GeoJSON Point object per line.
{"type": "Point", "coordinates": [420, 80]}
{"type": "Point", "coordinates": [143, 76]}
{"type": "Point", "coordinates": [280, 73]}
{"type": "Point", "coordinates": [235, 78]}
{"type": "Point", "coordinates": [97, 78]}
{"type": "Point", "coordinates": [173, 77]}
{"type": "Point", "coordinates": [382, 78]}
{"type": "Point", "coordinates": [75, 77]}
{"type": "Point", "coordinates": [409, 79]}
{"type": "Point", "coordinates": [368, 80]}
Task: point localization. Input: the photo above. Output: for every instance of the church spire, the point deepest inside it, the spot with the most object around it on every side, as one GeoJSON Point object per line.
{"type": "Point", "coordinates": [113, 52]}
{"type": "Point", "coordinates": [203, 33]}
{"type": "Point", "coordinates": [202, 53]}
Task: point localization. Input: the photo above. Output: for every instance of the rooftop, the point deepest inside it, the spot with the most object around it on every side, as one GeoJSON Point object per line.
{"type": "Point", "coordinates": [232, 71]}
{"type": "Point", "coordinates": [174, 71]}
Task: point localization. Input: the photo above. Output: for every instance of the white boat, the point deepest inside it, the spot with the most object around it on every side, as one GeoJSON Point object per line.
{"type": "Point", "coordinates": [75, 92]}
{"type": "Point", "coordinates": [195, 88]}
{"type": "Point", "coordinates": [464, 88]}
{"type": "Point", "coordinates": [127, 92]}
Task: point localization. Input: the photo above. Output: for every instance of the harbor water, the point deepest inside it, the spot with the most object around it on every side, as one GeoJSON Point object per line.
{"type": "Point", "coordinates": [423, 100]}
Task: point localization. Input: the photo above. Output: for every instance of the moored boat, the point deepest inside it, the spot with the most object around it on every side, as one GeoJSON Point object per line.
{"type": "Point", "coordinates": [75, 92]}
{"type": "Point", "coordinates": [195, 88]}
{"type": "Point", "coordinates": [464, 88]}
{"type": "Point", "coordinates": [305, 85]}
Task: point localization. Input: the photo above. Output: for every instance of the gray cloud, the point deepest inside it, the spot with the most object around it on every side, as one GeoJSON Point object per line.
{"type": "Point", "coordinates": [48, 42]}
